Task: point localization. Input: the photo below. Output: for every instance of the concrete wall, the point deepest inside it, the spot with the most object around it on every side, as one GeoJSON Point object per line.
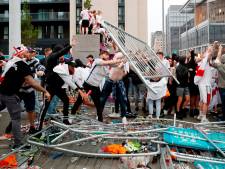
{"type": "Point", "coordinates": [87, 44]}
{"type": "Point", "coordinates": [136, 18]}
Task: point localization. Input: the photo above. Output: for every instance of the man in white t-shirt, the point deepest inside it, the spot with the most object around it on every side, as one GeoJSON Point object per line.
{"type": "Point", "coordinates": [98, 71]}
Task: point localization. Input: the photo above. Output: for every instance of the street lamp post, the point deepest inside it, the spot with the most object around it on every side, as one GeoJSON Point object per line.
{"type": "Point", "coordinates": [72, 22]}
{"type": "Point", "coordinates": [163, 28]}
{"type": "Point", "coordinates": [14, 24]}
{"type": "Point", "coordinates": [72, 18]}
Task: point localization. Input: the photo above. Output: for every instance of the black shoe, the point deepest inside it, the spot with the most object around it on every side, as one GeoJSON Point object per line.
{"type": "Point", "coordinates": [196, 112]}
{"type": "Point", "coordinates": [66, 122]}
{"type": "Point", "coordinates": [185, 112]}
{"type": "Point", "coordinates": [21, 148]}
{"type": "Point", "coordinates": [162, 115]}
{"type": "Point", "coordinates": [191, 114]}
{"type": "Point", "coordinates": [179, 115]}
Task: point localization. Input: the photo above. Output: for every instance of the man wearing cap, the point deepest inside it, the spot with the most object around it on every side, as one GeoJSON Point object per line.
{"type": "Point", "coordinates": [15, 74]}
{"type": "Point", "coordinates": [58, 82]}
{"type": "Point", "coordinates": [56, 57]}
{"type": "Point", "coordinates": [90, 59]}
{"type": "Point", "coordinates": [27, 93]}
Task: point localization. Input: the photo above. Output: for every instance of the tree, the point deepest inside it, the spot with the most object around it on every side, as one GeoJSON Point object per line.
{"type": "Point", "coordinates": [87, 4]}
{"type": "Point", "coordinates": [28, 33]}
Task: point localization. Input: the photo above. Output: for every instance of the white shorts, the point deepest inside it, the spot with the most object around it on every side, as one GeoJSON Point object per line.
{"type": "Point", "coordinates": [205, 94]}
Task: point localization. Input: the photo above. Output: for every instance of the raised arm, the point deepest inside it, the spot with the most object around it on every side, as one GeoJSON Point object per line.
{"type": "Point", "coordinates": [63, 51]}
{"type": "Point", "coordinates": [219, 55]}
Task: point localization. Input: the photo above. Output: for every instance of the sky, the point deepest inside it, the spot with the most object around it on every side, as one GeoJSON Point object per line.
{"type": "Point", "coordinates": [155, 12]}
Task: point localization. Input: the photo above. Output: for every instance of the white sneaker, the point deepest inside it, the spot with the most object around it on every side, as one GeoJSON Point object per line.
{"type": "Point", "coordinates": [165, 112]}
{"type": "Point", "coordinates": [149, 116]}
{"type": "Point", "coordinates": [124, 120]}
{"type": "Point", "coordinates": [204, 120]}
{"type": "Point", "coordinates": [114, 115]}
{"type": "Point", "coordinates": [200, 117]}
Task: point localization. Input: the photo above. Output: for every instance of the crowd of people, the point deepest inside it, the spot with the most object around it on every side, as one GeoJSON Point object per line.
{"type": "Point", "coordinates": [90, 22]}
{"type": "Point", "coordinates": [200, 90]}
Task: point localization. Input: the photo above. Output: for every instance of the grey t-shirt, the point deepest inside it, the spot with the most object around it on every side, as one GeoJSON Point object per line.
{"type": "Point", "coordinates": [97, 73]}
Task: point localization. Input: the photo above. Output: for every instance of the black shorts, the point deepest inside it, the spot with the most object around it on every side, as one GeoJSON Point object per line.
{"type": "Point", "coordinates": [85, 23]}
{"type": "Point", "coordinates": [194, 90]}
{"type": "Point", "coordinates": [29, 100]}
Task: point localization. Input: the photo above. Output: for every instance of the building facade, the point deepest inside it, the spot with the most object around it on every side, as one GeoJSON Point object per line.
{"type": "Point", "coordinates": [174, 20]}
{"type": "Point", "coordinates": [51, 18]}
{"type": "Point", "coordinates": [207, 26]}
{"type": "Point", "coordinates": [157, 41]}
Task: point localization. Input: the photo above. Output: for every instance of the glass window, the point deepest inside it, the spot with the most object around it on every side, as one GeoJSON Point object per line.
{"type": "Point", "coordinates": [79, 1]}
{"type": "Point", "coordinates": [39, 32]}
{"type": "Point", "coordinates": [6, 13]}
{"type": "Point", "coordinates": [6, 33]}
{"type": "Point", "coordinates": [121, 14]}
{"type": "Point", "coordinates": [121, 1]}
{"type": "Point", "coordinates": [60, 32]}
{"type": "Point", "coordinates": [52, 32]}
{"type": "Point", "coordinates": [121, 26]}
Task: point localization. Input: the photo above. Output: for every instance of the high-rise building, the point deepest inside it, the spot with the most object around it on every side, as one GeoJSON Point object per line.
{"type": "Point", "coordinates": [207, 26]}
{"type": "Point", "coordinates": [157, 41]}
{"type": "Point", "coordinates": [51, 18]}
{"type": "Point", "coordinates": [174, 20]}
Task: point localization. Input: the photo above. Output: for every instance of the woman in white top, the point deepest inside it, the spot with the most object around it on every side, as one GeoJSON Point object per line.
{"type": "Point", "coordinates": [85, 21]}
{"type": "Point", "coordinates": [160, 87]}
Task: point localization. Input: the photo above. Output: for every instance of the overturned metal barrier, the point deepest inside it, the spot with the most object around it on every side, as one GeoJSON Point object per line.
{"type": "Point", "coordinates": [141, 57]}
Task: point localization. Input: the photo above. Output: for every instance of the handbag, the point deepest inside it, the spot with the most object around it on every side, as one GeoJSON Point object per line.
{"type": "Point", "coordinates": [167, 93]}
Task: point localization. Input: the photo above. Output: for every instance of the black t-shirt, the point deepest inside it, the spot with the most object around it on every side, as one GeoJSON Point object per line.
{"type": "Point", "coordinates": [14, 78]}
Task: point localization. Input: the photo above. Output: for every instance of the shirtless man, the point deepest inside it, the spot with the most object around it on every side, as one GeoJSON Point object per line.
{"type": "Point", "coordinates": [114, 80]}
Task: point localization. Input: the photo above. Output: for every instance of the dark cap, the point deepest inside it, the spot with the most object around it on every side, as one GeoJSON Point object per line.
{"type": "Point", "coordinates": [30, 50]}
{"type": "Point", "coordinates": [90, 56]}
{"type": "Point", "coordinates": [2, 57]}
{"type": "Point", "coordinates": [71, 63]}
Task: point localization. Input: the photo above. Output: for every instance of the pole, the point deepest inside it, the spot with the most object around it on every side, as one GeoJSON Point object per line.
{"type": "Point", "coordinates": [163, 27]}
{"type": "Point", "coordinates": [72, 22]}
{"type": "Point", "coordinates": [72, 18]}
{"type": "Point", "coordinates": [14, 25]}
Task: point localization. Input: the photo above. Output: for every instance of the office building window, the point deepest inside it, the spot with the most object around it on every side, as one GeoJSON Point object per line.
{"type": "Point", "coordinates": [78, 14]}
{"type": "Point", "coordinates": [52, 32]}
{"type": "Point", "coordinates": [121, 14]}
{"type": "Point", "coordinates": [39, 32]}
{"type": "Point", "coordinates": [60, 32]}
{"type": "Point", "coordinates": [6, 33]}
{"type": "Point", "coordinates": [6, 13]}
{"type": "Point", "coordinates": [121, 2]}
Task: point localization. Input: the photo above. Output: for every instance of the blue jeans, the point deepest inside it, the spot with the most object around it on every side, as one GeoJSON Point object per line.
{"type": "Point", "coordinates": [158, 107]}
{"type": "Point", "coordinates": [53, 105]}
{"type": "Point", "coordinates": [120, 95]}
{"type": "Point", "coordinates": [222, 95]}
